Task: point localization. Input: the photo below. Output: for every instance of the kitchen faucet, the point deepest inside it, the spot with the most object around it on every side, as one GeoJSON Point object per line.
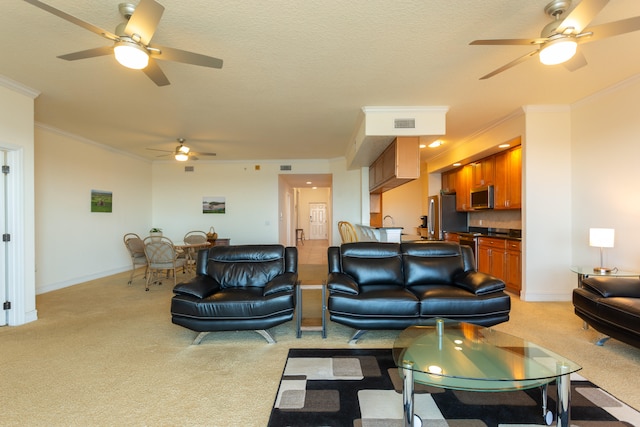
{"type": "Point", "coordinates": [391, 218]}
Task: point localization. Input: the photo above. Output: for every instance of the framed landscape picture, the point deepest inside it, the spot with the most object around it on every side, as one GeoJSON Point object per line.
{"type": "Point", "coordinates": [213, 205]}
{"type": "Point", "coordinates": [101, 201]}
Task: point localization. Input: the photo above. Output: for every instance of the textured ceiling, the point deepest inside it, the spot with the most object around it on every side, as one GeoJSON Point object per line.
{"type": "Point", "coordinates": [297, 73]}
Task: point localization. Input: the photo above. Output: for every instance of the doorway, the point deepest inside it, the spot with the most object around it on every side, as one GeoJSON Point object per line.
{"type": "Point", "coordinates": [318, 221]}
{"type": "Point", "coordinates": [4, 255]}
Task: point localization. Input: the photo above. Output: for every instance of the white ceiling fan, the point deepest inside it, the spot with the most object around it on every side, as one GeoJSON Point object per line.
{"type": "Point", "coordinates": [182, 153]}
{"type": "Point", "coordinates": [132, 40]}
{"type": "Point", "coordinates": [558, 40]}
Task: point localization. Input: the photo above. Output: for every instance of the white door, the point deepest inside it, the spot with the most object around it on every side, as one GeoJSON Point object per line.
{"type": "Point", "coordinates": [4, 262]}
{"type": "Point", "coordinates": [317, 221]}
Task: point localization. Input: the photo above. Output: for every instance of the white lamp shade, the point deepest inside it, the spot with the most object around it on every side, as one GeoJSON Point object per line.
{"type": "Point", "coordinates": [601, 237]}
{"type": "Point", "coordinates": [131, 55]}
{"type": "Point", "coordinates": [558, 51]}
{"type": "Point", "coordinates": [182, 157]}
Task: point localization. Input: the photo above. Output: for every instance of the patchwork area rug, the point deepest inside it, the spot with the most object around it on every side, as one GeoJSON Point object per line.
{"type": "Point", "coordinates": [362, 388]}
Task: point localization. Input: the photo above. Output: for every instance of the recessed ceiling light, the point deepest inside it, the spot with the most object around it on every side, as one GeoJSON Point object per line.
{"type": "Point", "coordinates": [436, 143]}
{"type": "Point", "coordinates": [422, 145]}
{"type": "Point", "coordinates": [457, 164]}
{"type": "Point", "coordinates": [504, 146]}
{"type": "Point", "coordinates": [308, 182]}
{"type": "Point", "coordinates": [314, 188]}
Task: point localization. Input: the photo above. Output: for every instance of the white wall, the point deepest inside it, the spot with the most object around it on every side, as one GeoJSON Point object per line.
{"type": "Point", "coordinates": [604, 164]}
{"type": "Point", "coordinates": [546, 207]}
{"type": "Point", "coordinates": [254, 198]}
{"type": "Point", "coordinates": [16, 137]}
{"type": "Point", "coordinates": [404, 205]}
{"type": "Point", "coordinates": [73, 244]}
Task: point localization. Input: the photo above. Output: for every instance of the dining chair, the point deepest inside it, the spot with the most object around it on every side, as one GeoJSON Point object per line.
{"type": "Point", "coordinates": [347, 232]}
{"type": "Point", "coordinates": [135, 246]}
{"type": "Point", "coordinates": [162, 258]}
{"type": "Point", "coordinates": [195, 237]}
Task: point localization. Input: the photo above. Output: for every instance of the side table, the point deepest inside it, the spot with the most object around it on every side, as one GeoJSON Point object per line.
{"type": "Point", "coordinates": [312, 324]}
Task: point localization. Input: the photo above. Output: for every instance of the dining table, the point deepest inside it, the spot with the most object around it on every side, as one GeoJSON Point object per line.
{"type": "Point", "coordinates": [190, 251]}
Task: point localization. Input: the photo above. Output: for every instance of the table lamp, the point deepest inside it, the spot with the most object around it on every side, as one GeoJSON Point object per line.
{"type": "Point", "coordinates": [601, 238]}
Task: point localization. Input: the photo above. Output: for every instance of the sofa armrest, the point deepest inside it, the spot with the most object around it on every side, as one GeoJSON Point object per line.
{"type": "Point", "coordinates": [198, 286]}
{"type": "Point", "coordinates": [281, 283]}
{"type": "Point", "coordinates": [340, 282]}
{"type": "Point", "coordinates": [613, 286]}
{"type": "Point", "coordinates": [479, 283]}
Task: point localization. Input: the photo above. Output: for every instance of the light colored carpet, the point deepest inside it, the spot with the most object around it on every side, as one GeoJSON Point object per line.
{"type": "Point", "coordinates": [103, 354]}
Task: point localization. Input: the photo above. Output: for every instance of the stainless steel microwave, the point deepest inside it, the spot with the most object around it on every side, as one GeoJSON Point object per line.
{"type": "Point", "coordinates": [482, 198]}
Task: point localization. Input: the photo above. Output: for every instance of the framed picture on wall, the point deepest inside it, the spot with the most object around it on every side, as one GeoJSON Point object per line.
{"type": "Point", "coordinates": [101, 201]}
{"type": "Point", "coordinates": [213, 205]}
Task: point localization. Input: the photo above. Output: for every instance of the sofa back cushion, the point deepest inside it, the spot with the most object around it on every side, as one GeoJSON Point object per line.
{"type": "Point", "coordinates": [245, 265]}
{"type": "Point", "coordinates": [372, 263]}
{"type": "Point", "coordinates": [427, 263]}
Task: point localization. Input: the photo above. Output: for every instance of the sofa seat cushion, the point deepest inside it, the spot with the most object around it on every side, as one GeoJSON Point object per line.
{"type": "Point", "coordinates": [451, 301]}
{"type": "Point", "coordinates": [375, 301]}
{"type": "Point", "coordinates": [624, 312]}
{"type": "Point", "coordinates": [233, 303]}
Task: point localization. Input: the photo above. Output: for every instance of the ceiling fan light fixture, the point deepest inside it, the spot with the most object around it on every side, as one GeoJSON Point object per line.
{"type": "Point", "coordinates": [558, 51]}
{"type": "Point", "coordinates": [183, 149]}
{"type": "Point", "coordinates": [131, 55]}
{"type": "Point", "coordinates": [182, 157]}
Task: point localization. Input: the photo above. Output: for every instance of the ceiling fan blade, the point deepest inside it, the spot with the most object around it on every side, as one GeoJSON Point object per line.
{"type": "Point", "coordinates": [89, 53]}
{"type": "Point", "coordinates": [510, 64]}
{"type": "Point", "coordinates": [145, 20]}
{"type": "Point", "coordinates": [157, 149]}
{"type": "Point", "coordinates": [577, 61]}
{"type": "Point", "coordinates": [87, 26]}
{"type": "Point", "coordinates": [613, 28]}
{"type": "Point", "coordinates": [204, 154]}
{"type": "Point", "coordinates": [516, 42]}
{"type": "Point", "coordinates": [154, 72]}
{"type": "Point", "coordinates": [582, 15]}
{"type": "Point", "coordinates": [178, 55]}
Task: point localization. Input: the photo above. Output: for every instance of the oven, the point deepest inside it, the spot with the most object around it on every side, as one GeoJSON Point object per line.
{"type": "Point", "coordinates": [470, 239]}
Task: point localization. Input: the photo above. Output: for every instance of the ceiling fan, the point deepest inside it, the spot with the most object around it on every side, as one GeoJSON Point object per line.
{"type": "Point", "coordinates": [558, 40]}
{"type": "Point", "coordinates": [132, 39]}
{"type": "Point", "coordinates": [182, 153]}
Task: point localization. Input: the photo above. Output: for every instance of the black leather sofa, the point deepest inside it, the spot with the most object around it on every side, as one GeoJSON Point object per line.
{"type": "Point", "coordinates": [611, 305]}
{"type": "Point", "coordinates": [243, 287]}
{"type": "Point", "coordinates": [376, 285]}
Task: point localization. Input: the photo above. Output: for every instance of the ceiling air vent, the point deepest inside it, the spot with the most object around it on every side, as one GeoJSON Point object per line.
{"type": "Point", "coordinates": [188, 168]}
{"type": "Point", "coordinates": [404, 123]}
{"type": "Point", "coordinates": [285, 167]}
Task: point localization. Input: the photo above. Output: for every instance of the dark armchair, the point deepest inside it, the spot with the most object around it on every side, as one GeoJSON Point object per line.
{"type": "Point", "coordinates": [244, 287]}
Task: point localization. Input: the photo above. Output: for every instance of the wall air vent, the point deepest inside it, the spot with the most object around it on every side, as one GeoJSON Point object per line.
{"type": "Point", "coordinates": [404, 123]}
{"type": "Point", "coordinates": [285, 167]}
{"type": "Point", "coordinates": [188, 169]}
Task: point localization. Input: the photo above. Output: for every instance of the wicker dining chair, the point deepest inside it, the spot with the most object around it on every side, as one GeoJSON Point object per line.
{"type": "Point", "coordinates": [135, 246]}
{"type": "Point", "coordinates": [347, 232]}
{"type": "Point", "coordinates": [162, 259]}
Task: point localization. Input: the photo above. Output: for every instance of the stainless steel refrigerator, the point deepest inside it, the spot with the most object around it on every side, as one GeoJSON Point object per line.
{"type": "Point", "coordinates": [442, 216]}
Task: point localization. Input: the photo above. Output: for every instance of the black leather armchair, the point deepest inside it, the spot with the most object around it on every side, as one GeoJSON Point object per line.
{"type": "Point", "coordinates": [376, 285]}
{"type": "Point", "coordinates": [244, 287]}
{"type": "Point", "coordinates": [611, 305]}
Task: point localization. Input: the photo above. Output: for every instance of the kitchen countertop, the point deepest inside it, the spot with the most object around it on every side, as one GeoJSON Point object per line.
{"type": "Point", "coordinates": [499, 233]}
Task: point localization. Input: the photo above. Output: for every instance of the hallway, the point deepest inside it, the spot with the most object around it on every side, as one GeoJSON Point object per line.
{"type": "Point", "coordinates": [313, 252]}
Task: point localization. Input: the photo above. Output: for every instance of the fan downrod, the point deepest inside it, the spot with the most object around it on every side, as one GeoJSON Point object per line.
{"type": "Point", "coordinates": [126, 10]}
{"type": "Point", "coordinates": [556, 8]}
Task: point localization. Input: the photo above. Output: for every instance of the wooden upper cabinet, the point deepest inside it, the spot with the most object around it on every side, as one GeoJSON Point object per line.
{"type": "Point", "coordinates": [508, 179]}
{"type": "Point", "coordinates": [463, 188]}
{"type": "Point", "coordinates": [448, 184]}
{"type": "Point", "coordinates": [483, 172]}
{"type": "Point", "coordinates": [397, 165]}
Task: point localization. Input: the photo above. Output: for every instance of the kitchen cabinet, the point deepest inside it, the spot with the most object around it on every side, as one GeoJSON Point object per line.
{"type": "Point", "coordinates": [463, 188]}
{"type": "Point", "coordinates": [448, 182]}
{"type": "Point", "coordinates": [397, 165]}
{"type": "Point", "coordinates": [375, 210]}
{"type": "Point", "coordinates": [501, 258]}
{"type": "Point", "coordinates": [482, 172]}
{"type": "Point", "coordinates": [513, 277]}
{"type": "Point", "coordinates": [508, 179]}
{"type": "Point", "coordinates": [451, 237]}
{"type": "Point", "coordinates": [492, 256]}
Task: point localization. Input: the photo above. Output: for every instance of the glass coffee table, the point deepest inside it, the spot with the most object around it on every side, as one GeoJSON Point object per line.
{"type": "Point", "coordinates": [463, 356]}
